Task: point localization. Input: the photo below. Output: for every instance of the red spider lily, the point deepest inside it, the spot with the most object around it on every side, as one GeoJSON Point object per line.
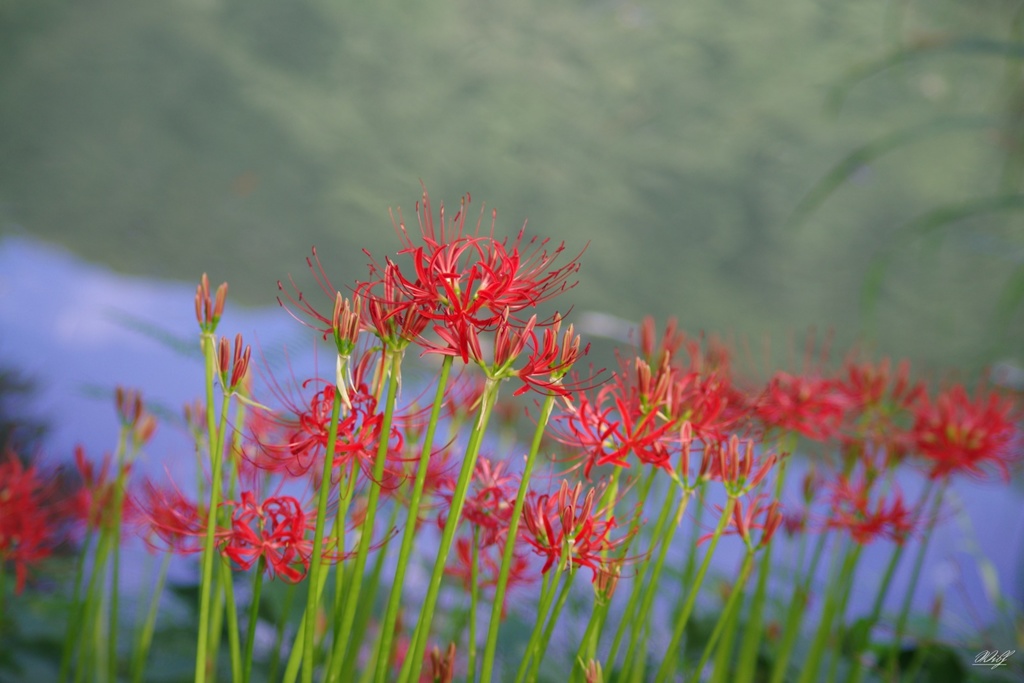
{"type": "Point", "coordinates": [875, 387]}
{"type": "Point", "coordinates": [671, 340]}
{"type": "Point", "coordinates": [852, 510]}
{"type": "Point", "coordinates": [176, 520]}
{"type": "Point", "coordinates": [709, 403]}
{"type": "Point", "coordinates": [93, 501]}
{"type": "Point", "coordinates": [956, 434]}
{"type": "Point", "coordinates": [208, 311]}
{"type": "Point", "coordinates": [357, 439]}
{"type": "Point", "coordinates": [28, 521]}
{"type": "Point", "coordinates": [345, 322]}
{"type": "Point", "coordinates": [276, 529]}
{"type": "Point", "coordinates": [488, 564]}
{"type": "Point", "coordinates": [233, 367]}
{"type": "Point", "coordinates": [733, 463]}
{"type": "Point", "coordinates": [395, 317]}
{"type": "Point", "coordinates": [466, 282]}
{"type": "Point", "coordinates": [565, 531]}
{"type": "Point", "coordinates": [133, 416]}
{"type": "Point", "coordinates": [752, 515]}
{"type": "Point", "coordinates": [589, 430]}
{"type": "Point", "coordinates": [811, 406]}
{"type": "Point", "coordinates": [489, 502]}
{"type": "Point", "coordinates": [758, 516]}
{"type": "Point", "coordinates": [626, 418]}
{"type": "Point", "coordinates": [549, 363]}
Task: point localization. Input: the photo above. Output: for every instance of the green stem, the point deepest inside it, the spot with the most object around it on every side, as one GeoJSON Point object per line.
{"type": "Point", "coordinates": [588, 646]}
{"type": "Point", "coordinates": [797, 605]}
{"type": "Point", "coordinates": [542, 646]}
{"type": "Point", "coordinates": [474, 597]}
{"type": "Point", "coordinates": [291, 672]}
{"type": "Point", "coordinates": [115, 574]}
{"type": "Point", "coordinates": [638, 581]}
{"type": "Point", "coordinates": [753, 628]}
{"type": "Point", "coordinates": [832, 601]}
{"type": "Point", "coordinates": [316, 561]}
{"type": "Point", "coordinates": [72, 635]}
{"type": "Point", "coordinates": [863, 635]}
{"type": "Point", "coordinates": [149, 626]}
{"type": "Point", "coordinates": [547, 596]}
{"type": "Point", "coordinates": [915, 575]}
{"type": "Point", "coordinates": [363, 615]}
{"type": "Point", "coordinates": [413, 664]}
{"type": "Point", "coordinates": [668, 665]}
{"type": "Point", "coordinates": [234, 644]}
{"type": "Point", "coordinates": [254, 616]}
{"type": "Point", "coordinates": [336, 653]}
{"type": "Point", "coordinates": [510, 542]}
{"type": "Point", "coordinates": [664, 534]}
{"type": "Point", "coordinates": [726, 624]}
{"type": "Point", "coordinates": [216, 460]}
{"type": "Point", "coordinates": [409, 535]}
{"type": "Point", "coordinates": [275, 659]}
{"type": "Point", "coordinates": [394, 359]}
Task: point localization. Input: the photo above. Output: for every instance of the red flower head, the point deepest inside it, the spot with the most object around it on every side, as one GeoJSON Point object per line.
{"type": "Point", "coordinates": [466, 283]}
{"type": "Point", "coordinates": [359, 433]}
{"type": "Point", "coordinates": [28, 523]}
{"type": "Point", "coordinates": [177, 521]}
{"type": "Point", "coordinates": [854, 511]}
{"type": "Point", "coordinates": [208, 311]}
{"type": "Point", "coordinates": [811, 406]}
{"type": "Point", "coordinates": [956, 434]}
{"type": "Point", "coordinates": [564, 530]}
{"type": "Point", "coordinates": [93, 502]}
{"type": "Point", "coordinates": [733, 463]}
{"type": "Point", "coordinates": [489, 503]}
{"type": "Point", "coordinates": [754, 515]}
{"type": "Point", "coordinates": [276, 530]}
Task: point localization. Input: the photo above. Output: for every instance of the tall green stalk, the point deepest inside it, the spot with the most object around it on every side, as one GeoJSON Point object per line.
{"type": "Point", "coordinates": [254, 616]}
{"type": "Point", "coordinates": [915, 575]}
{"type": "Point", "coordinates": [510, 541]}
{"type": "Point", "coordinates": [833, 599]}
{"type": "Point", "coordinates": [668, 665]}
{"type": "Point", "coordinates": [725, 628]}
{"type": "Point", "coordinates": [409, 535]}
{"type": "Point", "coordinates": [753, 628]}
{"type": "Point", "coordinates": [215, 441]}
{"type": "Point", "coordinates": [392, 364]}
{"type": "Point", "coordinates": [414, 663]}
{"type": "Point", "coordinates": [145, 638]}
{"type": "Point", "coordinates": [316, 560]}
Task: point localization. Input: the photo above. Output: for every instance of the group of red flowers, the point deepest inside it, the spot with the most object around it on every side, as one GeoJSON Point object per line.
{"type": "Point", "coordinates": [675, 408]}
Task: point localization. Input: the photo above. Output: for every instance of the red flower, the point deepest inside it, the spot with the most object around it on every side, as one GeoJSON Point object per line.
{"type": "Point", "coordinates": [94, 500]}
{"type": "Point", "coordinates": [176, 520]}
{"type": "Point", "coordinates": [358, 435]}
{"type": "Point", "coordinates": [466, 283]}
{"type": "Point", "coordinates": [754, 515]}
{"type": "Point", "coordinates": [490, 499]}
{"type": "Point", "coordinates": [488, 564]}
{"type": "Point", "coordinates": [732, 463]}
{"type": "Point", "coordinates": [811, 406]}
{"type": "Point", "coordinates": [956, 434]}
{"type": "Point", "coordinates": [28, 522]}
{"type": "Point", "coordinates": [275, 530]}
{"type": "Point", "coordinates": [854, 511]}
{"type": "Point", "coordinates": [565, 531]}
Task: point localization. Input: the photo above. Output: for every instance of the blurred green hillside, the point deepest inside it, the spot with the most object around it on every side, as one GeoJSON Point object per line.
{"type": "Point", "coordinates": [229, 136]}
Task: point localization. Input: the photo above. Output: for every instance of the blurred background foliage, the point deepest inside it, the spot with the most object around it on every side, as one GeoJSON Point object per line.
{"type": "Point", "coordinates": [752, 168]}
